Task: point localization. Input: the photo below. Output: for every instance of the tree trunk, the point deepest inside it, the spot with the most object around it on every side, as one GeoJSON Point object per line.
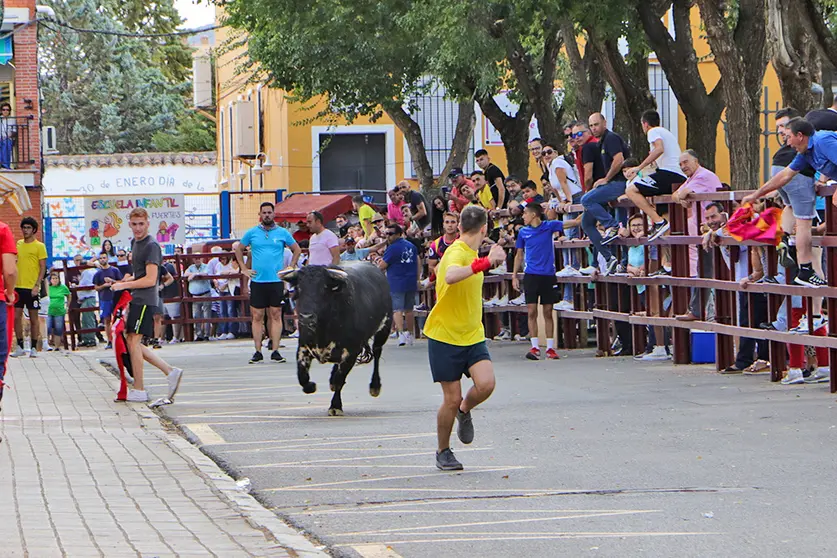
{"type": "Point", "coordinates": [588, 77]}
{"type": "Point", "coordinates": [678, 59]}
{"type": "Point", "coordinates": [462, 138]}
{"type": "Point", "coordinates": [514, 131]}
{"type": "Point", "coordinates": [537, 84]}
{"type": "Point", "coordinates": [815, 20]}
{"type": "Point", "coordinates": [794, 55]}
{"type": "Point", "coordinates": [826, 79]}
{"type": "Point", "coordinates": [415, 144]}
{"type": "Point", "coordinates": [740, 56]}
{"type": "Point", "coordinates": [630, 84]}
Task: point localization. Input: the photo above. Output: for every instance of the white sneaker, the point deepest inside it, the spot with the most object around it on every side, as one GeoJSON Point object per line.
{"type": "Point", "coordinates": [564, 305]}
{"type": "Point", "coordinates": [19, 352]}
{"type": "Point", "coordinates": [569, 271]}
{"type": "Point", "coordinates": [402, 339]}
{"type": "Point", "coordinates": [794, 377]}
{"type": "Point", "coordinates": [503, 301]}
{"type": "Point", "coordinates": [518, 337]}
{"type": "Point", "coordinates": [265, 343]}
{"type": "Point", "coordinates": [393, 335]}
{"type": "Point", "coordinates": [819, 376]}
{"type": "Point", "coordinates": [173, 379]}
{"type": "Point", "coordinates": [137, 396]}
{"type": "Point", "coordinates": [408, 337]}
{"type": "Point", "coordinates": [519, 301]}
{"type": "Point", "coordinates": [499, 270]}
{"type": "Point", "coordinates": [174, 341]}
{"type": "Point", "coordinates": [230, 336]}
{"type": "Point", "coordinates": [658, 354]}
{"type": "Point", "coordinates": [589, 270]}
{"type": "Point", "coordinates": [504, 335]}
{"type": "Point", "coordinates": [491, 302]}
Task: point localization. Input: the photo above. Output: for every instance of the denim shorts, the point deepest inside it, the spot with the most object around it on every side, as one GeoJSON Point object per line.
{"type": "Point", "coordinates": [800, 195]}
{"type": "Point", "coordinates": [403, 301]}
{"type": "Point", "coordinates": [55, 325]}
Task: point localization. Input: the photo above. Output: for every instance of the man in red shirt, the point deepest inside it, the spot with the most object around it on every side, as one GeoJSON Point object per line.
{"type": "Point", "coordinates": [302, 233]}
{"type": "Point", "coordinates": [8, 279]}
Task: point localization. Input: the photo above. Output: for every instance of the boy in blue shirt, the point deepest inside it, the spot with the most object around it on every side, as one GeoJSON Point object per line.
{"type": "Point", "coordinates": [535, 244]}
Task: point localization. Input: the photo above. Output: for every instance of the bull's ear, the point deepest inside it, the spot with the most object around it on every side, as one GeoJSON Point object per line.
{"type": "Point", "coordinates": [289, 276]}
{"type": "Point", "coordinates": [337, 278]}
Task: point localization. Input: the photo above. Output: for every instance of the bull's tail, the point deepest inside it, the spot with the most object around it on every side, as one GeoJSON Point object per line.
{"type": "Point", "coordinates": [365, 356]}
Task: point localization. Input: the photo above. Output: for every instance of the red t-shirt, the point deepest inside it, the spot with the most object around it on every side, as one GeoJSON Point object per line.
{"type": "Point", "coordinates": [300, 236]}
{"type": "Point", "coordinates": [7, 246]}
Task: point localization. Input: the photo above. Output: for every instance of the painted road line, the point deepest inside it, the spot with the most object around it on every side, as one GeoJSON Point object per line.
{"type": "Point", "coordinates": [205, 434]}
{"type": "Point", "coordinates": [375, 551]}
{"type": "Point", "coordinates": [358, 458]}
{"type": "Point", "coordinates": [375, 510]}
{"type": "Point", "coordinates": [489, 538]}
{"type": "Point", "coordinates": [328, 440]}
{"type": "Point", "coordinates": [413, 530]}
{"type": "Point", "coordinates": [379, 479]}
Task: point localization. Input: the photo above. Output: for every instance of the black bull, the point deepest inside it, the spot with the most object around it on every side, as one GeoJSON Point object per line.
{"type": "Point", "coordinates": [340, 311]}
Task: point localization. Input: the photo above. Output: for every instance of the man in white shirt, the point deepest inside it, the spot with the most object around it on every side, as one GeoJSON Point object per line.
{"type": "Point", "coordinates": [323, 246]}
{"type": "Point", "coordinates": [665, 152]}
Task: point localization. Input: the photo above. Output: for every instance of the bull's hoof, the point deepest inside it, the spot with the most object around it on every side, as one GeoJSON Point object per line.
{"type": "Point", "coordinates": [335, 412]}
{"type": "Point", "coordinates": [332, 387]}
{"type": "Point", "coordinates": [310, 387]}
{"type": "Point", "coordinates": [374, 391]}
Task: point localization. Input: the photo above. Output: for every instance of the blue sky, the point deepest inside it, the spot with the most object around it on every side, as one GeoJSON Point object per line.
{"type": "Point", "coordinates": [196, 15]}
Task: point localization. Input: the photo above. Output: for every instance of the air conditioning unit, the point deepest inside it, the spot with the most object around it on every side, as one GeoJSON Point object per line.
{"type": "Point", "coordinates": [49, 140]}
{"type": "Point", "coordinates": [244, 130]}
{"type": "Point", "coordinates": [202, 81]}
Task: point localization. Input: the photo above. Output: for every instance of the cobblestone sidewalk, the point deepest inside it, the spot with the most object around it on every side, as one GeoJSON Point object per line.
{"type": "Point", "coordinates": [81, 475]}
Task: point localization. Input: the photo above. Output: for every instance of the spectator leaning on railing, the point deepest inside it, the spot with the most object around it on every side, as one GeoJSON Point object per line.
{"type": "Point", "coordinates": [816, 150]}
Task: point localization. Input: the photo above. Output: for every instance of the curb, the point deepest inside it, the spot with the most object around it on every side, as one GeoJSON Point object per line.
{"type": "Point", "coordinates": [221, 483]}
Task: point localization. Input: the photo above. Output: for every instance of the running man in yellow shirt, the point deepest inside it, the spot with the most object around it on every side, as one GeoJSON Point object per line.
{"type": "Point", "coordinates": [456, 338]}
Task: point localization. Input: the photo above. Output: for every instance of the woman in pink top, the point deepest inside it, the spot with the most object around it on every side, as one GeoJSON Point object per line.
{"type": "Point", "coordinates": [396, 201]}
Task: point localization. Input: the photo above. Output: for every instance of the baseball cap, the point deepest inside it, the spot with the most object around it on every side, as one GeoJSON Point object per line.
{"type": "Point", "coordinates": [454, 172]}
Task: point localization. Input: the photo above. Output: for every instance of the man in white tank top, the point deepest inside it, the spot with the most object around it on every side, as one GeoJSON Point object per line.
{"type": "Point", "coordinates": [642, 183]}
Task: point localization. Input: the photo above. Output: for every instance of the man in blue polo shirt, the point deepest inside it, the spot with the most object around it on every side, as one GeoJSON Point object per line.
{"type": "Point", "coordinates": [535, 244]}
{"type": "Point", "coordinates": [267, 243]}
{"type": "Point", "coordinates": [815, 150]}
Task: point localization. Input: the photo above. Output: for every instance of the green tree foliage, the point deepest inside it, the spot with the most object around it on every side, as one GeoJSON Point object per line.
{"type": "Point", "coordinates": [194, 133]}
{"type": "Point", "coordinates": [104, 94]}
{"type": "Point", "coordinates": [170, 54]}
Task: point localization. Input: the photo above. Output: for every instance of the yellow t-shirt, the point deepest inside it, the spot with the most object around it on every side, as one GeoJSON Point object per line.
{"type": "Point", "coordinates": [366, 212]}
{"type": "Point", "coordinates": [485, 197]}
{"type": "Point", "coordinates": [29, 256]}
{"type": "Point", "coordinates": [456, 318]}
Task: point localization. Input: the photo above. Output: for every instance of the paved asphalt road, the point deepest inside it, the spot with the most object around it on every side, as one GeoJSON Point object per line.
{"type": "Point", "coordinates": [580, 457]}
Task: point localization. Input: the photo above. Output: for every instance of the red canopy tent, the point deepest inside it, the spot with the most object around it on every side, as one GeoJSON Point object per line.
{"type": "Point", "coordinates": [297, 206]}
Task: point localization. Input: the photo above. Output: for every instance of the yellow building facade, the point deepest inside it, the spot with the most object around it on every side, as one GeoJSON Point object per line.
{"type": "Point", "coordinates": [304, 154]}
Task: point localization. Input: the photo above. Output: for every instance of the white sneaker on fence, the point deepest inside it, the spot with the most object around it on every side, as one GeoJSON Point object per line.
{"type": "Point", "coordinates": [564, 305]}
{"type": "Point", "coordinates": [569, 271]}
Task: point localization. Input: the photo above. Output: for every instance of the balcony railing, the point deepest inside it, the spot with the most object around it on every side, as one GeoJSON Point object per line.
{"type": "Point", "coordinates": [15, 152]}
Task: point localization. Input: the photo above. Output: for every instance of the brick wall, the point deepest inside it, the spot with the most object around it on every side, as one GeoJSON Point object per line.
{"type": "Point", "coordinates": [26, 87]}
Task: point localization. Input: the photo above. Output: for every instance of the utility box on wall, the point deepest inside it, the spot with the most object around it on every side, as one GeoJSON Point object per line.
{"type": "Point", "coordinates": [202, 81]}
{"type": "Point", "coordinates": [244, 126]}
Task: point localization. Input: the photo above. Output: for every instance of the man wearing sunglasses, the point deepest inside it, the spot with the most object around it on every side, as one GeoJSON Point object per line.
{"type": "Point", "coordinates": [587, 157]}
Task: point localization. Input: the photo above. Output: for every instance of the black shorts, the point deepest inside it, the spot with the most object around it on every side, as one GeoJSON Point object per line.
{"type": "Point", "coordinates": [659, 183]}
{"type": "Point", "coordinates": [140, 319]}
{"type": "Point", "coordinates": [448, 363]}
{"type": "Point", "coordinates": [26, 300]}
{"type": "Point", "coordinates": [543, 288]}
{"type": "Point", "coordinates": [267, 295]}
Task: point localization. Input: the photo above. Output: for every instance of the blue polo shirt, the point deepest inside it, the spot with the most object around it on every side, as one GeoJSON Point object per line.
{"type": "Point", "coordinates": [820, 156]}
{"type": "Point", "coordinates": [268, 251]}
{"type": "Point", "coordinates": [539, 248]}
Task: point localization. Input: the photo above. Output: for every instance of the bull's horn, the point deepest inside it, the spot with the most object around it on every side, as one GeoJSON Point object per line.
{"type": "Point", "coordinates": [338, 273]}
{"type": "Point", "coordinates": [288, 274]}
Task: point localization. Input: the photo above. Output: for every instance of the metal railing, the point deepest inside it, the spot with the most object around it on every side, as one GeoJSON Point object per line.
{"type": "Point", "coordinates": [15, 152]}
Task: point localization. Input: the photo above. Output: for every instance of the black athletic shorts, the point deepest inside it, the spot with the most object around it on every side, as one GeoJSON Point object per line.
{"type": "Point", "coordinates": [267, 295]}
{"type": "Point", "coordinates": [448, 363]}
{"type": "Point", "coordinates": [140, 319]}
{"type": "Point", "coordinates": [540, 289]}
{"type": "Point", "coordinates": [26, 300]}
{"type": "Point", "coordinates": [659, 183]}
